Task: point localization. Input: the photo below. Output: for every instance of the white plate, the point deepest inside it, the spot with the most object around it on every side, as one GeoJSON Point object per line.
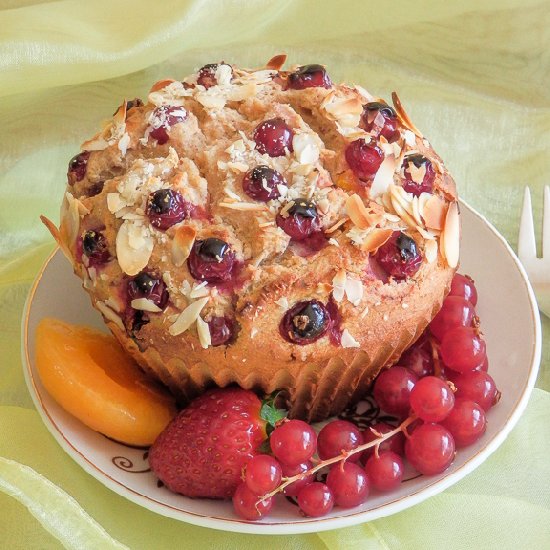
{"type": "Point", "coordinates": [510, 322]}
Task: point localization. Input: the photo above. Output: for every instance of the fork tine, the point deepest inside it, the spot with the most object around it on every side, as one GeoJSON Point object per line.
{"type": "Point", "coordinates": [546, 225]}
{"type": "Point", "coordinates": [527, 246]}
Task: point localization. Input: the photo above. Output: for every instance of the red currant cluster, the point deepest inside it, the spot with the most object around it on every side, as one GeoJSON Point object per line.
{"type": "Point", "coordinates": [441, 391]}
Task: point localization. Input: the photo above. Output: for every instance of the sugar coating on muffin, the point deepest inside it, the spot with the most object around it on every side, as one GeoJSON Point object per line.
{"type": "Point", "coordinates": [262, 227]}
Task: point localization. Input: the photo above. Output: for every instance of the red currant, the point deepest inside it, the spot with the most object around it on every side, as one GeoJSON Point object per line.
{"type": "Point", "coordinates": [399, 256]}
{"type": "Point", "coordinates": [464, 286]}
{"type": "Point", "coordinates": [380, 119]}
{"type": "Point", "coordinates": [418, 359]}
{"type": "Point", "coordinates": [392, 390]}
{"type": "Point", "coordinates": [338, 436]}
{"type": "Point", "coordinates": [385, 471]}
{"type": "Point", "coordinates": [309, 76]}
{"type": "Point", "coordinates": [466, 422]}
{"type": "Point", "coordinates": [430, 449]}
{"type": "Point", "coordinates": [478, 386]}
{"type": "Point", "coordinates": [248, 506]}
{"type": "Point", "coordinates": [455, 312]}
{"type": "Point", "coordinates": [396, 443]}
{"type": "Point", "coordinates": [293, 442]}
{"type": "Point", "coordinates": [349, 484]}
{"type": "Point", "coordinates": [462, 349]}
{"type": "Point", "coordinates": [273, 137]}
{"type": "Point", "coordinates": [263, 474]}
{"type": "Point", "coordinates": [295, 487]}
{"type": "Point", "coordinates": [432, 399]}
{"type": "Point", "coordinates": [410, 184]}
{"type": "Point", "coordinates": [315, 499]}
{"type": "Point", "coordinates": [364, 158]}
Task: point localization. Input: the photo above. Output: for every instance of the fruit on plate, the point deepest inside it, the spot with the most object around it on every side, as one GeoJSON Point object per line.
{"type": "Point", "coordinates": [204, 449]}
{"type": "Point", "coordinates": [90, 376]}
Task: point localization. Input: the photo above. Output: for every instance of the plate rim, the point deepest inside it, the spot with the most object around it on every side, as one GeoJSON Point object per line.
{"type": "Point", "coordinates": [308, 525]}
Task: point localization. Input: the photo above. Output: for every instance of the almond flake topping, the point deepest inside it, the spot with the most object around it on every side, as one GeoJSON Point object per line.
{"type": "Point", "coordinates": [435, 210]}
{"type": "Point", "coordinates": [339, 285]}
{"type": "Point", "coordinates": [306, 148]}
{"type": "Point", "coordinates": [450, 240]}
{"type": "Point", "coordinates": [144, 304]}
{"type": "Point", "coordinates": [71, 212]}
{"type": "Point", "coordinates": [282, 302]}
{"type": "Point", "coordinates": [203, 330]}
{"type": "Point", "coordinates": [430, 251]}
{"type": "Point", "coordinates": [134, 246]}
{"type": "Point", "coordinates": [112, 132]}
{"type": "Point", "coordinates": [200, 290]}
{"type": "Point", "coordinates": [361, 216]}
{"type": "Point", "coordinates": [110, 315]}
{"type": "Point", "coordinates": [346, 110]}
{"type": "Point", "coordinates": [184, 237]}
{"type": "Point", "coordinates": [354, 290]}
{"type": "Point", "coordinates": [348, 341]}
{"type": "Point", "coordinates": [384, 176]}
{"type": "Point", "coordinates": [187, 317]}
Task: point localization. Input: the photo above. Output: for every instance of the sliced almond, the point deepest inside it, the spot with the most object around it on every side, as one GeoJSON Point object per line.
{"type": "Point", "coordinates": [335, 226]}
{"type": "Point", "coordinates": [123, 143]}
{"type": "Point", "coordinates": [348, 341]}
{"type": "Point", "coordinates": [306, 149]}
{"type": "Point", "coordinates": [52, 228]}
{"type": "Point", "coordinates": [223, 74]}
{"type": "Point", "coordinates": [435, 210]}
{"type": "Point", "coordinates": [119, 118]}
{"type": "Point", "coordinates": [450, 240]}
{"type": "Point", "coordinates": [115, 303]}
{"type": "Point", "coordinates": [110, 315]}
{"type": "Point", "coordinates": [71, 210]}
{"type": "Point", "coordinates": [161, 84]}
{"type": "Point", "coordinates": [134, 246]}
{"type": "Point", "coordinates": [115, 202]}
{"type": "Point", "coordinates": [403, 116]}
{"type": "Point", "coordinates": [430, 251]}
{"type": "Point", "coordinates": [375, 239]}
{"type": "Point", "coordinates": [276, 62]}
{"type": "Point", "coordinates": [384, 177]}
{"type": "Point", "coordinates": [339, 285]}
{"type": "Point", "coordinates": [354, 290]}
{"type": "Point", "coordinates": [199, 290]}
{"type": "Point", "coordinates": [97, 143]}
{"type": "Point", "coordinates": [144, 304]}
{"type": "Point", "coordinates": [282, 302]}
{"type": "Point", "coordinates": [183, 240]}
{"type": "Point", "coordinates": [240, 167]}
{"type": "Point", "coordinates": [187, 317]}
{"type": "Point", "coordinates": [203, 330]}
{"type": "Point", "coordinates": [240, 93]}
{"type": "Point", "coordinates": [428, 235]}
{"type": "Point", "coordinates": [402, 213]}
{"type": "Point", "coordinates": [338, 107]}
{"type": "Point", "coordinates": [357, 212]}
{"type": "Point", "coordinates": [211, 99]}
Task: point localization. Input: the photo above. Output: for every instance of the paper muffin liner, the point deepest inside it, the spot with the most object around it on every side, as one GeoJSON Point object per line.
{"type": "Point", "coordinates": [320, 390]}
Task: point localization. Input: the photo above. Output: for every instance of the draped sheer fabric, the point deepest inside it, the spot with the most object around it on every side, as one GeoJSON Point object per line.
{"type": "Point", "coordinates": [476, 79]}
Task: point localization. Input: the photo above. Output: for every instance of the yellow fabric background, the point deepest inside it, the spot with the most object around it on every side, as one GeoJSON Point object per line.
{"type": "Point", "coordinates": [476, 79]}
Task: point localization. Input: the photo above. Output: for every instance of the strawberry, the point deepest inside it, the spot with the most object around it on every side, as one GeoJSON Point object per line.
{"type": "Point", "coordinates": [203, 451]}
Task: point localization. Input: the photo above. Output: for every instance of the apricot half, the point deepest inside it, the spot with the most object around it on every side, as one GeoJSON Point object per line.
{"type": "Point", "coordinates": [91, 377]}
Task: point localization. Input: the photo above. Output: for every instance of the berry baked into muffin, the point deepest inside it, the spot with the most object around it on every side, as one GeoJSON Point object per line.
{"type": "Point", "coordinates": [264, 228]}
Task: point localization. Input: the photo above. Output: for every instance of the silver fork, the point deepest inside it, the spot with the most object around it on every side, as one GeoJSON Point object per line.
{"type": "Point", "coordinates": [538, 269]}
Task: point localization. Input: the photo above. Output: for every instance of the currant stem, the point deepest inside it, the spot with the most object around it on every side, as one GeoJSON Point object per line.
{"type": "Point", "coordinates": [345, 455]}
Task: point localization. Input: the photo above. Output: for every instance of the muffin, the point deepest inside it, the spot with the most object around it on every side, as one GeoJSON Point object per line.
{"type": "Point", "coordinates": [264, 228]}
